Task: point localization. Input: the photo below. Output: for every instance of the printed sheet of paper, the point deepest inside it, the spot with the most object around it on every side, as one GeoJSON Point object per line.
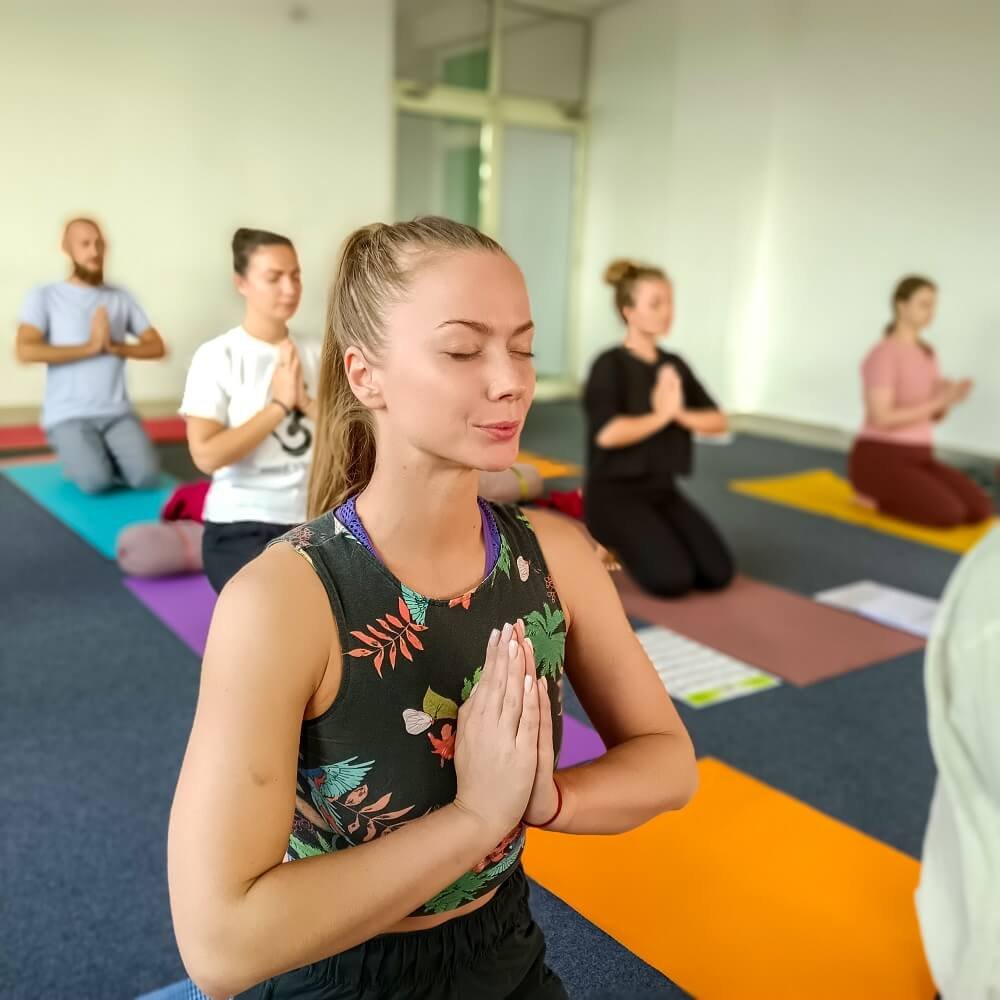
{"type": "Point", "coordinates": [890, 606]}
{"type": "Point", "coordinates": [697, 674]}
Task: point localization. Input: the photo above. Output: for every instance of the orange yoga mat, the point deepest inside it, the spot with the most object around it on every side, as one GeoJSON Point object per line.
{"type": "Point", "coordinates": [549, 468]}
{"type": "Point", "coordinates": [748, 894]}
{"type": "Point", "coordinates": [795, 637]}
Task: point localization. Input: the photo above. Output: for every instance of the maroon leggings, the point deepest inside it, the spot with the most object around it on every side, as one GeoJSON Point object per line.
{"type": "Point", "coordinates": [905, 481]}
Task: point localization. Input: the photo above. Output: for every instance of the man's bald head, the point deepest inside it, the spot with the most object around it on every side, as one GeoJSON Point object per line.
{"type": "Point", "coordinates": [83, 243]}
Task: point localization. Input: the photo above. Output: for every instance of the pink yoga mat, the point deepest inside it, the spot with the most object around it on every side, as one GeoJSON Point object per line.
{"type": "Point", "coordinates": [183, 603]}
{"type": "Point", "coordinates": [783, 633]}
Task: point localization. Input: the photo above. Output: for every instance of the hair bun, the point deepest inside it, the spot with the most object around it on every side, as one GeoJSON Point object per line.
{"type": "Point", "coordinates": [619, 269]}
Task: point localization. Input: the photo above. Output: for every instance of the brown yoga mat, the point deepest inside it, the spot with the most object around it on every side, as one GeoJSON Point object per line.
{"type": "Point", "coordinates": [783, 633]}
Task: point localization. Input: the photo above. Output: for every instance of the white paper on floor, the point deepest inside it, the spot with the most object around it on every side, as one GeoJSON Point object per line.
{"type": "Point", "coordinates": [726, 437]}
{"type": "Point", "coordinates": [890, 606]}
{"type": "Point", "coordinates": [699, 675]}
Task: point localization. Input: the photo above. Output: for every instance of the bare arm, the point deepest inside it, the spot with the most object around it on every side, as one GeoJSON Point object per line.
{"type": "Point", "coordinates": [33, 348]}
{"type": "Point", "coordinates": [213, 445]}
{"type": "Point", "coordinates": [704, 421]}
{"type": "Point", "coordinates": [150, 347]}
{"type": "Point", "coordinates": [885, 415]}
{"type": "Point", "coordinates": [240, 915]}
{"type": "Point", "coordinates": [620, 432]}
{"type": "Point", "coordinates": [650, 766]}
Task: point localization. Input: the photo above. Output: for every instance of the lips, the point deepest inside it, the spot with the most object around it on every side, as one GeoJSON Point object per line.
{"type": "Point", "coordinates": [503, 430]}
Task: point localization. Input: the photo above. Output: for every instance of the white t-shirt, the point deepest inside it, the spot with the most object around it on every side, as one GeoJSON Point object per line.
{"type": "Point", "coordinates": [230, 381]}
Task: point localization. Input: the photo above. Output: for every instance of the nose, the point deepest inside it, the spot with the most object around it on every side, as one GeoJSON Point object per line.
{"type": "Point", "coordinates": [509, 379]}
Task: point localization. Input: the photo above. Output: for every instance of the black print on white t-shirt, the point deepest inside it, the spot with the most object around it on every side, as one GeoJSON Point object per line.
{"type": "Point", "coordinates": [293, 430]}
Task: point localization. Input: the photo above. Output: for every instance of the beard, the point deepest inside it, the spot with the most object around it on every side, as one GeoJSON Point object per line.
{"type": "Point", "coordinates": [88, 275]}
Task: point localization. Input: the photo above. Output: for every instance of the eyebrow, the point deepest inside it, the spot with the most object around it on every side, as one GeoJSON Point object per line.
{"type": "Point", "coordinates": [484, 328]}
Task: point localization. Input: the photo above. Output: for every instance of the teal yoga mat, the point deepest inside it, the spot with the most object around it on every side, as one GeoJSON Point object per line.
{"type": "Point", "coordinates": [96, 519]}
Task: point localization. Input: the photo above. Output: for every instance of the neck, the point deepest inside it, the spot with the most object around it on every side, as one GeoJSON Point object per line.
{"type": "Point", "coordinates": [273, 331]}
{"type": "Point", "coordinates": [86, 279]}
{"type": "Point", "coordinates": [424, 520]}
{"type": "Point", "coordinates": [906, 332]}
{"type": "Point", "coordinates": [640, 343]}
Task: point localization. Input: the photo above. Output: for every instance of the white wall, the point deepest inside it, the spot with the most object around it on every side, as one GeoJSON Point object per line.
{"type": "Point", "coordinates": [174, 124]}
{"type": "Point", "coordinates": [787, 161]}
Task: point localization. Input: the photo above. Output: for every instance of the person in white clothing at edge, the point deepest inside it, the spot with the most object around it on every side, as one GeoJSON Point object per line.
{"type": "Point", "coordinates": [958, 899]}
{"type": "Point", "coordinates": [250, 414]}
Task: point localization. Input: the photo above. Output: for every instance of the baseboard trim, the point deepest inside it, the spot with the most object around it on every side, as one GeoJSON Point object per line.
{"type": "Point", "coordinates": [835, 438]}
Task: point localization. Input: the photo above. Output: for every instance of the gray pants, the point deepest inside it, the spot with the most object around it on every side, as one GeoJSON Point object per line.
{"type": "Point", "coordinates": [100, 453]}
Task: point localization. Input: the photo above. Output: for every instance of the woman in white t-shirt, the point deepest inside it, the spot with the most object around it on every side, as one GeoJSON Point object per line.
{"type": "Point", "coordinates": [249, 410]}
{"type": "Point", "coordinates": [250, 415]}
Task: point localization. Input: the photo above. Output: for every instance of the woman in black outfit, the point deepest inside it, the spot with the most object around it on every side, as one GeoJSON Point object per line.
{"type": "Point", "coordinates": [642, 404]}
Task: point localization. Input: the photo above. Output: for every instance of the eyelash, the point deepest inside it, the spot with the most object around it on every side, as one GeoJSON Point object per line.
{"type": "Point", "coordinates": [475, 354]}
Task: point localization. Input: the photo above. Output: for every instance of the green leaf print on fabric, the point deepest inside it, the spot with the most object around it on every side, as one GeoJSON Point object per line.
{"type": "Point", "coordinates": [470, 683]}
{"type": "Point", "coordinates": [462, 890]}
{"type": "Point", "coordinates": [334, 780]}
{"type": "Point", "coordinates": [439, 707]}
{"type": "Point", "coordinates": [542, 628]}
{"type": "Point", "coordinates": [299, 849]}
{"type": "Point", "coordinates": [469, 886]}
{"type": "Point", "coordinates": [503, 559]}
{"type": "Point", "coordinates": [417, 604]}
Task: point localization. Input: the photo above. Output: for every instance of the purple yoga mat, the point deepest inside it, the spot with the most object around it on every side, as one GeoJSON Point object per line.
{"type": "Point", "coordinates": [580, 743]}
{"type": "Point", "coordinates": [183, 603]}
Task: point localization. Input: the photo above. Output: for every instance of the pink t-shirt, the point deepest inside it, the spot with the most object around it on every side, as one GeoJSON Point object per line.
{"type": "Point", "coordinates": [912, 374]}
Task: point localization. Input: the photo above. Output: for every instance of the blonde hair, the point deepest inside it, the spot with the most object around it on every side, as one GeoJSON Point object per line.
{"type": "Point", "coordinates": [376, 269]}
{"type": "Point", "coordinates": [623, 275]}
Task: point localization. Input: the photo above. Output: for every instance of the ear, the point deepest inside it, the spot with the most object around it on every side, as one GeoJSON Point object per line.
{"type": "Point", "coordinates": [362, 377]}
{"type": "Point", "coordinates": [239, 282]}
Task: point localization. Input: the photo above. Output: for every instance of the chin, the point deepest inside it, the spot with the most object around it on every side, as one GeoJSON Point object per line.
{"type": "Point", "coordinates": [498, 459]}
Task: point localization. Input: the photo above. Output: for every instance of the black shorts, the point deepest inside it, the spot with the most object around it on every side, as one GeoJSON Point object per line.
{"type": "Point", "coordinates": [226, 547]}
{"type": "Point", "coordinates": [495, 953]}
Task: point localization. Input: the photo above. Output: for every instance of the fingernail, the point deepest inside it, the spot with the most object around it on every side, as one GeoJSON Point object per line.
{"type": "Point", "coordinates": [494, 636]}
{"type": "Point", "coordinates": [528, 681]}
{"type": "Point", "coordinates": [529, 644]}
{"type": "Point", "coordinates": [507, 629]}
{"type": "Point", "coordinates": [512, 648]}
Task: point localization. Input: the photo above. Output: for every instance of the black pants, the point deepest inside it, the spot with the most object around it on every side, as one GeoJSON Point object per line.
{"type": "Point", "coordinates": [227, 548]}
{"type": "Point", "coordinates": [495, 953]}
{"type": "Point", "coordinates": [666, 544]}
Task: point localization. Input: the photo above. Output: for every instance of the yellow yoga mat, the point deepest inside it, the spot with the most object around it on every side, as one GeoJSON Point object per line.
{"type": "Point", "coordinates": [822, 491]}
{"type": "Point", "coordinates": [748, 894]}
{"type": "Point", "coordinates": [549, 468]}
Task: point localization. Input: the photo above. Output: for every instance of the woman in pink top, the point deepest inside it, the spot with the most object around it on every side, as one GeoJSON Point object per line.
{"type": "Point", "coordinates": [892, 464]}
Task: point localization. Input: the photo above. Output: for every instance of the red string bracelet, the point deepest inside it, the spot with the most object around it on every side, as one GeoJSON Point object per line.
{"type": "Point", "coordinates": [555, 815]}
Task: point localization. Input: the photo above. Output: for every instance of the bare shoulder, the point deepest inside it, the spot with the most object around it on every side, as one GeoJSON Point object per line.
{"type": "Point", "coordinates": [559, 535]}
{"type": "Point", "coordinates": [275, 610]}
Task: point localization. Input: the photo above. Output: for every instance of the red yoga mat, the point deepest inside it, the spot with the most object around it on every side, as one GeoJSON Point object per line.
{"type": "Point", "coordinates": [161, 430]}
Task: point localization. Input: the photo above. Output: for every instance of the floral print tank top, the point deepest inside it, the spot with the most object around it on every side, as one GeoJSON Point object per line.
{"type": "Point", "coordinates": [382, 755]}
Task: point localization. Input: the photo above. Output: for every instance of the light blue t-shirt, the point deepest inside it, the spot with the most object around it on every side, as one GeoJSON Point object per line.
{"type": "Point", "coordinates": [91, 387]}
